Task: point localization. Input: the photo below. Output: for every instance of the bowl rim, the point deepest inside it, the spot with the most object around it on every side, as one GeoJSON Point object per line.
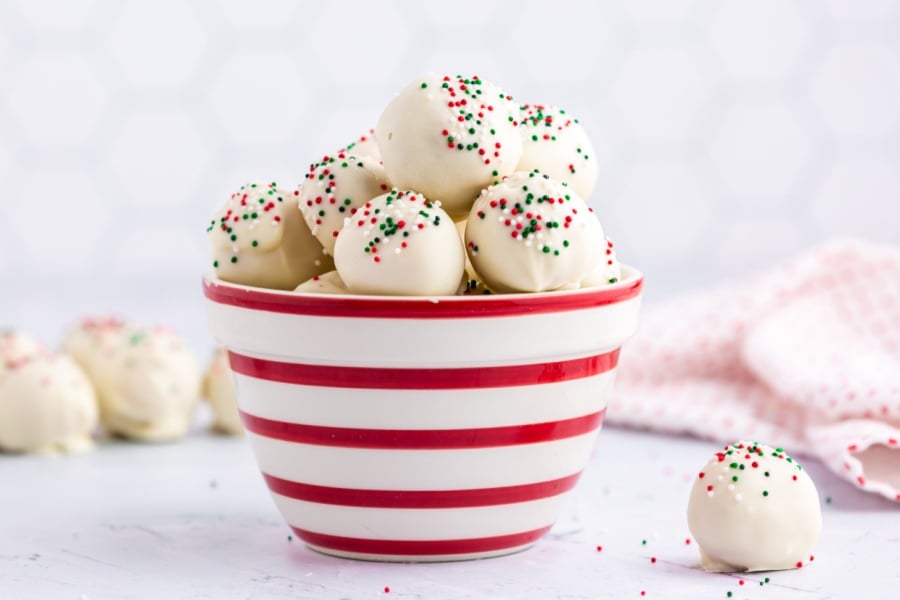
{"type": "Point", "coordinates": [421, 307]}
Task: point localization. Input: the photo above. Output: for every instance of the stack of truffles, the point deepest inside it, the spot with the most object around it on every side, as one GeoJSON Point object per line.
{"type": "Point", "coordinates": [458, 191]}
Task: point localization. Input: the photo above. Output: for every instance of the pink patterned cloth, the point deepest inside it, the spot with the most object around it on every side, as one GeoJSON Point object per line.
{"type": "Point", "coordinates": [805, 356]}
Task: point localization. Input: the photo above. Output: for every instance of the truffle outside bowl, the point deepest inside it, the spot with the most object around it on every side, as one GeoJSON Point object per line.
{"type": "Point", "coordinates": [422, 429]}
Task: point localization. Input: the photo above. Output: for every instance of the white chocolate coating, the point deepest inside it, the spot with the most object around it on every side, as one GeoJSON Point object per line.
{"type": "Point", "coordinates": [753, 508]}
{"type": "Point", "coordinates": [555, 143]}
{"type": "Point", "coordinates": [400, 244]}
{"type": "Point", "coordinates": [16, 347]}
{"type": "Point", "coordinates": [606, 267]}
{"type": "Point", "coordinates": [334, 188]}
{"type": "Point", "coordinates": [365, 145]}
{"type": "Point", "coordinates": [260, 238]}
{"type": "Point", "coordinates": [47, 405]}
{"type": "Point", "coordinates": [218, 389]}
{"type": "Point", "coordinates": [327, 283]}
{"type": "Point", "coordinates": [147, 380]}
{"type": "Point", "coordinates": [448, 138]}
{"type": "Point", "coordinates": [530, 233]}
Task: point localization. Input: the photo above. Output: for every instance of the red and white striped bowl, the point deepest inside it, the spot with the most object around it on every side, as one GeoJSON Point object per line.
{"type": "Point", "coordinates": [422, 429]}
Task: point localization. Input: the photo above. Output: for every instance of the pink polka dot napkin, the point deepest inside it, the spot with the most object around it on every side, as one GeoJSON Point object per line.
{"type": "Point", "coordinates": [805, 356]}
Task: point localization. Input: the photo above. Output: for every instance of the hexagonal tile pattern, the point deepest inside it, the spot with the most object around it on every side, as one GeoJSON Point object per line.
{"type": "Point", "coordinates": [261, 14]}
{"type": "Point", "coordinates": [660, 92]}
{"type": "Point", "coordinates": [751, 243]}
{"type": "Point", "coordinates": [159, 158]}
{"type": "Point", "coordinates": [53, 15]}
{"type": "Point", "coordinates": [156, 250]}
{"type": "Point", "coordinates": [553, 46]}
{"type": "Point", "coordinates": [470, 61]}
{"type": "Point", "coordinates": [680, 206]}
{"type": "Point", "coordinates": [857, 199]}
{"type": "Point", "coordinates": [857, 89]}
{"type": "Point", "coordinates": [259, 96]}
{"type": "Point", "coordinates": [4, 47]}
{"type": "Point", "coordinates": [71, 220]}
{"type": "Point", "coordinates": [464, 14]}
{"type": "Point", "coordinates": [653, 11]}
{"type": "Point", "coordinates": [842, 10]}
{"type": "Point", "coordinates": [156, 43]}
{"type": "Point", "coordinates": [58, 99]}
{"type": "Point", "coordinates": [759, 40]}
{"type": "Point", "coordinates": [380, 53]}
{"type": "Point", "coordinates": [5, 160]}
{"type": "Point", "coordinates": [760, 150]}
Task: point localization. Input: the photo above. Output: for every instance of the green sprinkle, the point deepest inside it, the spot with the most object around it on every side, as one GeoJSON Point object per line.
{"type": "Point", "coordinates": [765, 493]}
{"type": "Point", "coordinates": [424, 85]}
{"type": "Point", "coordinates": [233, 259]}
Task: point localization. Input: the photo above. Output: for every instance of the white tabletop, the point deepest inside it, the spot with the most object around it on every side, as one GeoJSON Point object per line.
{"type": "Point", "coordinates": [194, 520]}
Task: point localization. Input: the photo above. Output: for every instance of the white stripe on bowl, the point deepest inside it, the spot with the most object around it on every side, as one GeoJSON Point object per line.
{"type": "Point", "coordinates": [423, 343]}
{"type": "Point", "coordinates": [420, 524]}
{"type": "Point", "coordinates": [418, 409]}
{"type": "Point", "coordinates": [364, 468]}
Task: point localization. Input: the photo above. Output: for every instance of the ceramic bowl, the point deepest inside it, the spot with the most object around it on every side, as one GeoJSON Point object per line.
{"type": "Point", "coordinates": [422, 429]}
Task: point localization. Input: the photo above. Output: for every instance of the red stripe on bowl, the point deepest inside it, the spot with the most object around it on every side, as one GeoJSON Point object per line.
{"type": "Point", "coordinates": [419, 547]}
{"type": "Point", "coordinates": [423, 379]}
{"type": "Point", "coordinates": [423, 439]}
{"type": "Point", "coordinates": [420, 499]}
{"type": "Point", "coordinates": [444, 307]}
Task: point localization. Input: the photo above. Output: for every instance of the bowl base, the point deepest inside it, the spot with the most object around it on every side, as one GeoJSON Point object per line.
{"type": "Point", "coordinates": [401, 558]}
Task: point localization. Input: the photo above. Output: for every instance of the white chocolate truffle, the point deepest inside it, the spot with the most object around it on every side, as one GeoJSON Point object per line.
{"type": "Point", "coordinates": [753, 508]}
{"type": "Point", "coordinates": [260, 238]}
{"type": "Point", "coordinates": [16, 347]}
{"type": "Point", "coordinates": [449, 138]}
{"type": "Point", "coordinates": [327, 283]}
{"type": "Point", "coordinates": [47, 405]}
{"type": "Point", "coordinates": [334, 188]}
{"type": "Point", "coordinates": [400, 244]}
{"type": "Point", "coordinates": [530, 233]}
{"type": "Point", "coordinates": [147, 380]}
{"type": "Point", "coordinates": [606, 268]}
{"type": "Point", "coordinates": [218, 388]}
{"type": "Point", "coordinates": [556, 144]}
{"type": "Point", "coordinates": [365, 145]}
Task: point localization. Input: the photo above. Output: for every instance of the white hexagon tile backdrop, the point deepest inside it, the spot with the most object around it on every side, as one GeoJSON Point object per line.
{"type": "Point", "coordinates": [730, 134]}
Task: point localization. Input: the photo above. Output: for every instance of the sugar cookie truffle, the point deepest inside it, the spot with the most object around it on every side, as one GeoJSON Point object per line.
{"type": "Point", "coordinates": [147, 380]}
{"type": "Point", "coordinates": [530, 233]}
{"type": "Point", "coordinates": [47, 405]}
{"type": "Point", "coordinates": [15, 347]}
{"type": "Point", "coordinates": [218, 389]}
{"type": "Point", "coordinates": [606, 269]}
{"type": "Point", "coordinates": [400, 244]}
{"type": "Point", "coordinates": [448, 138]}
{"type": "Point", "coordinates": [260, 238]}
{"type": "Point", "coordinates": [555, 143]}
{"type": "Point", "coordinates": [365, 145]}
{"type": "Point", "coordinates": [753, 508]}
{"type": "Point", "coordinates": [327, 283]}
{"type": "Point", "coordinates": [334, 188]}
